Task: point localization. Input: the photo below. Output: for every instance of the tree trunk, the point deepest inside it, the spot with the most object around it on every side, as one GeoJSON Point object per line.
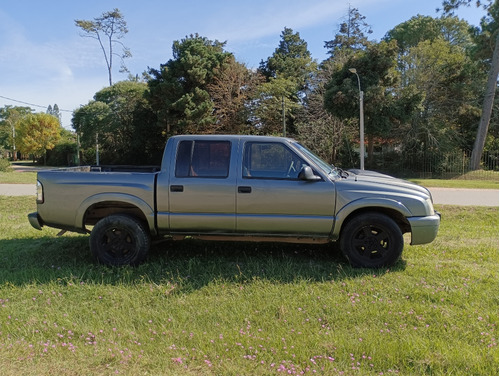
{"type": "Point", "coordinates": [489, 97]}
{"type": "Point", "coordinates": [333, 157]}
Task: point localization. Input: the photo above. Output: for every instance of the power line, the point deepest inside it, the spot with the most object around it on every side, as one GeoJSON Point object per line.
{"type": "Point", "coordinates": [31, 104]}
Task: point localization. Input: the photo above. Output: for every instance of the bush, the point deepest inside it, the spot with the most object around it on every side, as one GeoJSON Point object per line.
{"type": "Point", "coordinates": [4, 165]}
{"type": "Point", "coordinates": [63, 154]}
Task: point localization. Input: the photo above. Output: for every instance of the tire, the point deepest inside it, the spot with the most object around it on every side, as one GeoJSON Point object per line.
{"type": "Point", "coordinates": [119, 240]}
{"type": "Point", "coordinates": [371, 240]}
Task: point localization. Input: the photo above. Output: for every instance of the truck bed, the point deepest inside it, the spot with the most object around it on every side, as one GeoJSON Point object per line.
{"type": "Point", "coordinates": [77, 196]}
{"type": "Point", "coordinates": [112, 168]}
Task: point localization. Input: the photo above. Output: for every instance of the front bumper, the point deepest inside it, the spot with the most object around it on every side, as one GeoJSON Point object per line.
{"type": "Point", "coordinates": [35, 220]}
{"type": "Point", "coordinates": [424, 229]}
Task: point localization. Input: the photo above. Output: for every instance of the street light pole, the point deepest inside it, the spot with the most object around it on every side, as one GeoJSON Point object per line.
{"type": "Point", "coordinates": [97, 148]}
{"type": "Point", "coordinates": [361, 123]}
{"type": "Point", "coordinates": [14, 152]}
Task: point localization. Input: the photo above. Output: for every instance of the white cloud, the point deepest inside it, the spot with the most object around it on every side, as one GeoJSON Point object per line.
{"type": "Point", "coordinates": [251, 21]}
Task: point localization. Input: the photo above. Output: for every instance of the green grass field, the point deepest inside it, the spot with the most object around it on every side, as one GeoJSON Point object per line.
{"type": "Point", "coordinates": [13, 177]}
{"type": "Point", "coordinates": [457, 183]}
{"type": "Point", "coordinates": [199, 308]}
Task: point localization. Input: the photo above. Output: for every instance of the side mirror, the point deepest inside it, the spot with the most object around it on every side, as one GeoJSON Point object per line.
{"type": "Point", "coordinates": [306, 173]}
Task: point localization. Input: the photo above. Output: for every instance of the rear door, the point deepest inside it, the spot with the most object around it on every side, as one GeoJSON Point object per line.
{"type": "Point", "coordinates": [270, 198]}
{"type": "Point", "coordinates": [202, 188]}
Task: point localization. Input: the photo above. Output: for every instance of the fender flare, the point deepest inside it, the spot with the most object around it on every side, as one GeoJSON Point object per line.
{"type": "Point", "coordinates": [143, 206]}
{"type": "Point", "coordinates": [366, 203]}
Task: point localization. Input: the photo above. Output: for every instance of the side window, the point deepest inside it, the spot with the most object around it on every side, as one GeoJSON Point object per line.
{"type": "Point", "coordinates": [208, 159]}
{"type": "Point", "coordinates": [267, 160]}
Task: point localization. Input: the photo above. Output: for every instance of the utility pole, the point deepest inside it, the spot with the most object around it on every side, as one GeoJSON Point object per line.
{"type": "Point", "coordinates": [78, 148]}
{"type": "Point", "coordinates": [14, 152]}
{"type": "Point", "coordinates": [97, 148]}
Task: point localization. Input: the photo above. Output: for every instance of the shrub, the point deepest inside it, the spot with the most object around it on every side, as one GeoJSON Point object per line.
{"type": "Point", "coordinates": [4, 165]}
{"type": "Point", "coordinates": [63, 154]}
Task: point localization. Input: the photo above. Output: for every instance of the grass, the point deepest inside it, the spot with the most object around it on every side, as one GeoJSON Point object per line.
{"type": "Point", "coordinates": [473, 179]}
{"type": "Point", "coordinates": [200, 308]}
{"type": "Point", "coordinates": [456, 183]}
{"type": "Point", "coordinates": [14, 177]}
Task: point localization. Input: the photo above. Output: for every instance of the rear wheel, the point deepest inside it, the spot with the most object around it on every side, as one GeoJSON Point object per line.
{"type": "Point", "coordinates": [119, 240]}
{"type": "Point", "coordinates": [371, 240]}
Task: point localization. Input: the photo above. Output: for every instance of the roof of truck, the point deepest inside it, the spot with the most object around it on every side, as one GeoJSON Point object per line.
{"type": "Point", "coordinates": [231, 137]}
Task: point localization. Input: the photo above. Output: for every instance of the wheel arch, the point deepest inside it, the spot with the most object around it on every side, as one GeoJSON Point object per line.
{"type": "Point", "coordinates": [393, 209]}
{"type": "Point", "coordinates": [102, 205]}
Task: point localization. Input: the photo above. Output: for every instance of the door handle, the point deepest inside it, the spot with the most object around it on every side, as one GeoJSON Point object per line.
{"type": "Point", "coordinates": [244, 189]}
{"type": "Point", "coordinates": [176, 188]}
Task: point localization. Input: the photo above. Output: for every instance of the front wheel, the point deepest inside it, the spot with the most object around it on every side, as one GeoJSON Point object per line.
{"type": "Point", "coordinates": [371, 240]}
{"type": "Point", "coordinates": [119, 240]}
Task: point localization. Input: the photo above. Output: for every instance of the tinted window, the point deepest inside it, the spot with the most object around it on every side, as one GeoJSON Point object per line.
{"type": "Point", "coordinates": [203, 159]}
{"type": "Point", "coordinates": [270, 160]}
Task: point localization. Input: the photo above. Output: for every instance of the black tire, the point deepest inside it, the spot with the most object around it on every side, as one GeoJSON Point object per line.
{"type": "Point", "coordinates": [371, 240]}
{"type": "Point", "coordinates": [119, 240]}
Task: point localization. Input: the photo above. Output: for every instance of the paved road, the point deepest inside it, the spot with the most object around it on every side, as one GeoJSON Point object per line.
{"type": "Point", "coordinates": [465, 197]}
{"type": "Point", "coordinates": [446, 196]}
{"type": "Point", "coordinates": [17, 189]}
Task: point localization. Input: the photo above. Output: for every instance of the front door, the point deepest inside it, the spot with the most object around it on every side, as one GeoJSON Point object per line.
{"type": "Point", "coordinates": [272, 200]}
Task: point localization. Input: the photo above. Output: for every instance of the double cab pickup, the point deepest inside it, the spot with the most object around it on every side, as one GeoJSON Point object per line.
{"type": "Point", "coordinates": [237, 188]}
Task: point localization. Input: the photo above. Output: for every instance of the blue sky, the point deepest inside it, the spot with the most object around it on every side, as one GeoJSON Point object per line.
{"type": "Point", "coordinates": [43, 59]}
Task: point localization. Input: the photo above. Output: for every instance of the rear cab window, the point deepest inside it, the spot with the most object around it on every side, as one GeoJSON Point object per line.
{"type": "Point", "coordinates": [203, 159]}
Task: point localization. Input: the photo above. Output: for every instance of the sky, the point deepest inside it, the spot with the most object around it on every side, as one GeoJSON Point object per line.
{"type": "Point", "coordinates": [45, 61]}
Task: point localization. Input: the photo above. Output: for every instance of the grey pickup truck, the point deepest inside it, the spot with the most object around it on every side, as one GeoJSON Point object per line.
{"type": "Point", "coordinates": [237, 188]}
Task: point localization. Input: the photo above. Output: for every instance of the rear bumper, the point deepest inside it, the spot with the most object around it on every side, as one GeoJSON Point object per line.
{"type": "Point", "coordinates": [35, 220]}
{"type": "Point", "coordinates": [424, 229]}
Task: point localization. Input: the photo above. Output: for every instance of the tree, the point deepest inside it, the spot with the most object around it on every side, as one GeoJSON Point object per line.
{"type": "Point", "coordinates": [54, 111]}
{"type": "Point", "coordinates": [232, 88]}
{"type": "Point", "coordinates": [490, 28]}
{"type": "Point", "coordinates": [121, 120]}
{"type": "Point", "coordinates": [385, 106]}
{"type": "Point", "coordinates": [289, 72]}
{"type": "Point", "coordinates": [108, 29]}
{"type": "Point", "coordinates": [321, 131]}
{"type": "Point", "coordinates": [433, 59]}
{"type": "Point", "coordinates": [445, 77]}
{"type": "Point", "coordinates": [179, 90]}
{"type": "Point", "coordinates": [291, 60]}
{"type": "Point", "coordinates": [10, 118]}
{"type": "Point", "coordinates": [351, 36]}
{"type": "Point", "coordinates": [419, 28]}
{"type": "Point", "coordinates": [272, 99]}
{"type": "Point", "coordinates": [38, 133]}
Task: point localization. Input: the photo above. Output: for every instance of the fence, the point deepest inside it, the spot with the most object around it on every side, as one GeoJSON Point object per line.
{"type": "Point", "coordinates": [438, 165]}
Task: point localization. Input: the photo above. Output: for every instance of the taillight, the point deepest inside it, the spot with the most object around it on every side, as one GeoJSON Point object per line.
{"type": "Point", "coordinates": [39, 192]}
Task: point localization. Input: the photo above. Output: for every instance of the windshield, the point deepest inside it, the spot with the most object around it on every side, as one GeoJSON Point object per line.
{"type": "Point", "coordinates": [325, 167]}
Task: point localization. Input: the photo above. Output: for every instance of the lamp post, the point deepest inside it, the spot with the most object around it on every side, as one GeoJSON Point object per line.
{"type": "Point", "coordinates": [361, 123]}
{"type": "Point", "coordinates": [14, 152]}
{"type": "Point", "coordinates": [97, 148]}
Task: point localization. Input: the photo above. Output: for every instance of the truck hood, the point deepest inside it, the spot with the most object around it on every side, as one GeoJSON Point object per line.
{"type": "Point", "coordinates": [385, 182]}
{"type": "Point", "coordinates": [371, 185]}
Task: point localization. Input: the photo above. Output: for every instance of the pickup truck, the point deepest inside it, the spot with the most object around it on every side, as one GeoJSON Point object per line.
{"type": "Point", "coordinates": [236, 188]}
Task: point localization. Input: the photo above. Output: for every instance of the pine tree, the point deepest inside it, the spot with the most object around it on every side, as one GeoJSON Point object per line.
{"type": "Point", "coordinates": [351, 35]}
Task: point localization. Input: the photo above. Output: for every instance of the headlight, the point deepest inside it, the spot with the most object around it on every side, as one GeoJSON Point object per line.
{"type": "Point", "coordinates": [39, 192]}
